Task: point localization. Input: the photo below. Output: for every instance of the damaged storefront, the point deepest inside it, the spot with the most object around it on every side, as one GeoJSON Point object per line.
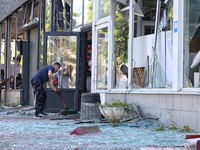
{"type": "Point", "coordinates": [144, 52]}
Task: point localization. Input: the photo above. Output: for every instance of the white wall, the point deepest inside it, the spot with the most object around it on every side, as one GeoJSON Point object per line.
{"type": "Point", "coordinates": [182, 107]}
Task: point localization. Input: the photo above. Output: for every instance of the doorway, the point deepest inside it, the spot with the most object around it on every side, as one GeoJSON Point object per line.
{"type": "Point", "coordinates": [63, 48]}
{"type": "Point", "coordinates": [86, 57]}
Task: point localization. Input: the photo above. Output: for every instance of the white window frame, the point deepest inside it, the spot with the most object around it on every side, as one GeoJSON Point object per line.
{"type": "Point", "coordinates": [96, 25]}
{"type": "Point", "coordinates": [180, 86]}
{"type": "Point", "coordinates": [178, 39]}
{"type": "Point", "coordinates": [105, 25]}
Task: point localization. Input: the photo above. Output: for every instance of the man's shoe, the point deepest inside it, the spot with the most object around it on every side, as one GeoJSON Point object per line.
{"type": "Point", "coordinates": [44, 113]}
{"type": "Point", "coordinates": [39, 116]}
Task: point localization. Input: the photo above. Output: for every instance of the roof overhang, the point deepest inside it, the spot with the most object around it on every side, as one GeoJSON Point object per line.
{"type": "Point", "coordinates": [7, 7]}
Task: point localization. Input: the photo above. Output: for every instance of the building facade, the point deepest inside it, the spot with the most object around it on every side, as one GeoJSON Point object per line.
{"type": "Point", "coordinates": [144, 51]}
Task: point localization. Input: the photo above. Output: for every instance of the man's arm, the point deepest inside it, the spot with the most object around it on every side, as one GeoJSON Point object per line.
{"type": "Point", "coordinates": [50, 85]}
{"type": "Point", "coordinates": [51, 77]}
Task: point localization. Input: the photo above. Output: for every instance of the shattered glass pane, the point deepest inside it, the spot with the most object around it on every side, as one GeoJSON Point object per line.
{"type": "Point", "coordinates": [20, 131]}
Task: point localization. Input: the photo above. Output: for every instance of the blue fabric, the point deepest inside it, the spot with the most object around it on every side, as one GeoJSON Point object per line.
{"type": "Point", "coordinates": [42, 75]}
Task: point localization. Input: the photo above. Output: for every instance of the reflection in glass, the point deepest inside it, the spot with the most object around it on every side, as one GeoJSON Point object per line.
{"type": "Point", "coordinates": [63, 15]}
{"type": "Point", "coordinates": [41, 52]}
{"type": "Point", "coordinates": [48, 16]}
{"type": "Point", "coordinates": [121, 35]}
{"type": "Point", "coordinates": [191, 43]}
{"type": "Point", "coordinates": [104, 9]}
{"type": "Point", "coordinates": [77, 13]}
{"type": "Point", "coordinates": [102, 58]}
{"type": "Point", "coordinates": [88, 10]}
{"type": "Point", "coordinates": [63, 49]}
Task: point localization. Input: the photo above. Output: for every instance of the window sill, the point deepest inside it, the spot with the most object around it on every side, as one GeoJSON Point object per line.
{"type": "Point", "coordinates": [190, 91]}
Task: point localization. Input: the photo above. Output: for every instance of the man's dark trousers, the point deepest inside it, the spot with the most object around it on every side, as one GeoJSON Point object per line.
{"type": "Point", "coordinates": [40, 97]}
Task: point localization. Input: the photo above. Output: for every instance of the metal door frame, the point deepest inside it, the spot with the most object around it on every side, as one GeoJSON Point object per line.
{"type": "Point", "coordinates": [77, 34]}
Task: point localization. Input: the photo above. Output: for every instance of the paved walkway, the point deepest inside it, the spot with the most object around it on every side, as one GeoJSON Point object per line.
{"type": "Point", "coordinates": [20, 131]}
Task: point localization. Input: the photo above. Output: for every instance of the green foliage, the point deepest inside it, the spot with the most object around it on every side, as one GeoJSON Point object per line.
{"type": "Point", "coordinates": [47, 16]}
{"type": "Point", "coordinates": [186, 129]}
{"type": "Point", "coordinates": [160, 127]}
{"type": "Point", "coordinates": [90, 12]}
{"type": "Point", "coordinates": [173, 127]}
{"type": "Point", "coordinates": [117, 103]}
{"type": "Point", "coordinates": [104, 8]}
{"type": "Point", "coordinates": [121, 35]}
{"type": "Point", "coordinates": [74, 22]}
{"type": "Point", "coordinates": [115, 125]}
{"type": "Point", "coordinates": [98, 103]}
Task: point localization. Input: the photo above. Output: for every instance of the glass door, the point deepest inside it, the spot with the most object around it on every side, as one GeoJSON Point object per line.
{"type": "Point", "coordinates": [102, 58]}
{"type": "Point", "coordinates": [63, 48]}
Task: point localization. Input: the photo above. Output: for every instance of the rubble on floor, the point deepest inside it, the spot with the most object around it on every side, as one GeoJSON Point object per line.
{"type": "Point", "coordinates": [18, 130]}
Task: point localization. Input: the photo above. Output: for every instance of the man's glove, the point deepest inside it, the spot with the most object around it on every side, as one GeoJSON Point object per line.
{"type": "Point", "coordinates": [57, 92]}
{"type": "Point", "coordinates": [55, 82]}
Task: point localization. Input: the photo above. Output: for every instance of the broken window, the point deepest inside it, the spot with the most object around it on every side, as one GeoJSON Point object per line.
{"type": "Point", "coordinates": [58, 15]}
{"type": "Point", "coordinates": [62, 12]}
{"type": "Point", "coordinates": [153, 53]}
{"type": "Point", "coordinates": [30, 16]}
{"type": "Point", "coordinates": [60, 18]}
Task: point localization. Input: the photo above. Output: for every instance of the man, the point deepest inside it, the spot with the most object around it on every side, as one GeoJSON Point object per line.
{"type": "Point", "coordinates": [64, 76]}
{"type": "Point", "coordinates": [43, 75]}
{"type": "Point", "coordinates": [124, 70]}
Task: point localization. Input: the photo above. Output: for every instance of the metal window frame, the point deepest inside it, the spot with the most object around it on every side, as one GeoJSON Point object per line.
{"type": "Point", "coordinates": [30, 12]}
{"type": "Point", "coordinates": [7, 51]}
{"type": "Point", "coordinates": [16, 33]}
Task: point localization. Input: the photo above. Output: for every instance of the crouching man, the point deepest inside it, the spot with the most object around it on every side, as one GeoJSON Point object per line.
{"type": "Point", "coordinates": [45, 74]}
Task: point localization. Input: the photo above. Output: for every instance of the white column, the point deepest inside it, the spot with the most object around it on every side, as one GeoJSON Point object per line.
{"type": "Point", "coordinates": [130, 43]}
{"type": "Point", "coordinates": [93, 72]}
{"type": "Point", "coordinates": [178, 35]}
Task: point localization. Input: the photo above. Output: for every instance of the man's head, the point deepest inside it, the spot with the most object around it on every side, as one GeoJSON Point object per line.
{"type": "Point", "coordinates": [56, 65]}
{"type": "Point", "coordinates": [124, 69]}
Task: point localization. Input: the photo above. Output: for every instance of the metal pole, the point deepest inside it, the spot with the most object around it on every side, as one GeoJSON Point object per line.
{"type": "Point", "coordinates": [0, 44]}
{"type": "Point", "coordinates": [156, 24]}
{"type": "Point", "coordinates": [15, 68]}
